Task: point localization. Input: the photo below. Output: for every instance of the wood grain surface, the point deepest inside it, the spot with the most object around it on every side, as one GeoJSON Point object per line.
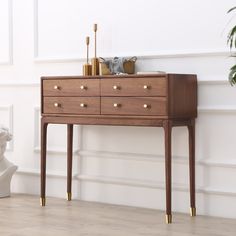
{"type": "Point", "coordinates": [134, 87]}
{"type": "Point", "coordinates": [77, 218]}
{"type": "Point", "coordinates": [72, 105]}
{"type": "Point", "coordinates": [70, 87]}
{"type": "Point", "coordinates": [133, 106]}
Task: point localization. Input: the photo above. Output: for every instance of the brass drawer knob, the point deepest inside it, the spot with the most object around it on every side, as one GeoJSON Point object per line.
{"type": "Point", "coordinates": [56, 87]}
{"type": "Point", "coordinates": [146, 106]}
{"type": "Point", "coordinates": [146, 87]}
{"type": "Point", "coordinates": [82, 87]}
{"type": "Point", "coordinates": [57, 104]}
{"type": "Point", "coordinates": [116, 105]}
{"type": "Point", "coordinates": [116, 87]}
{"type": "Point", "coordinates": [83, 105]}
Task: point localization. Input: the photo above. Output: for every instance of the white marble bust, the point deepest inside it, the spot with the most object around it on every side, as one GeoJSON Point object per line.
{"type": "Point", "coordinates": [7, 169]}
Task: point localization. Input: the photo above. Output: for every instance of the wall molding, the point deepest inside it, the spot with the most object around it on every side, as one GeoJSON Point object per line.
{"type": "Point", "coordinates": [128, 156]}
{"type": "Point", "coordinates": [219, 82]}
{"type": "Point", "coordinates": [10, 35]}
{"type": "Point", "coordinates": [36, 128]}
{"type": "Point", "coordinates": [187, 54]}
{"type": "Point", "coordinates": [155, 158]}
{"type": "Point", "coordinates": [37, 148]}
{"type": "Point", "coordinates": [218, 52]}
{"type": "Point", "coordinates": [131, 182]}
{"type": "Point", "coordinates": [36, 33]}
{"type": "Point", "coordinates": [152, 185]}
{"type": "Point", "coordinates": [149, 184]}
{"type": "Point", "coordinates": [9, 110]}
{"type": "Point", "coordinates": [50, 174]}
{"type": "Point", "coordinates": [217, 163]}
{"type": "Point", "coordinates": [156, 55]}
{"type": "Point", "coordinates": [217, 109]}
{"type": "Point", "coordinates": [16, 83]}
{"type": "Point", "coordinates": [56, 150]}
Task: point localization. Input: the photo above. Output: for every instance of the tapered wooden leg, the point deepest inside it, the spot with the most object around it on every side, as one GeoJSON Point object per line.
{"type": "Point", "coordinates": [168, 129]}
{"type": "Point", "coordinates": [43, 161]}
{"type": "Point", "coordinates": [69, 159]}
{"type": "Point", "coordinates": [191, 129]}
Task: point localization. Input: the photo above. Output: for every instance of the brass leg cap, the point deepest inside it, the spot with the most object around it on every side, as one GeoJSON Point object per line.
{"type": "Point", "coordinates": [168, 219]}
{"type": "Point", "coordinates": [192, 211]}
{"type": "Point", "coordinates": [42, 201]}
{"type": "Point", "coordinates": [68, 196]}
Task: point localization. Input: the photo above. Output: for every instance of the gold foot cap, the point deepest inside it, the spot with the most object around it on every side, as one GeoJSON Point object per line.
{"type": "Point", "coordinates": [42, 201]}
{"type": "Point", "coordinates": [68, 196]}
{"type": "Point", "coordinates": [192, 211]}
{"type": "Point", "coordinates": [168, 219]}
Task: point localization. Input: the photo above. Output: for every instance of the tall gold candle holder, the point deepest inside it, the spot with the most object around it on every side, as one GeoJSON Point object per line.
{"type": "Point", "coordinates": [87, 68]}
{"type": "Point", "coordinates": [95, 61]}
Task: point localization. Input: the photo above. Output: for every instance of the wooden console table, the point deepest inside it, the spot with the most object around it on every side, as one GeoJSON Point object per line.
{"type": "Point", "coordinates": [165, 100]}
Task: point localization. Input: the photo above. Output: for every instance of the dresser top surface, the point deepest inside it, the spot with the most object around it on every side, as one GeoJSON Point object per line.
{"type": "Point", "coordinates": [116, 76]}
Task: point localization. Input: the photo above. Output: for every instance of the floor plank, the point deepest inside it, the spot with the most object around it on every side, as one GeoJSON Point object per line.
{"type": "Point", "coordinates": [21, 215]}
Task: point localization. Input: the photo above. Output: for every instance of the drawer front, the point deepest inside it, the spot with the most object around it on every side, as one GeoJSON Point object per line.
{"type": "Point", "coordinates": [71, 87]}
{"type": "Point", "coordinates": [134, 106]}
{"type": "Point", "coordinates": [71, 105]}
{"type": "Point", "coordinates": [134, 87]}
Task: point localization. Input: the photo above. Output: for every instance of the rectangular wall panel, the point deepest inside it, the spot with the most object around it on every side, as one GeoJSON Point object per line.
{"type": "Point", "coordinates": [6, 120]}
{"type": "Point", "coordinates": [5, 31]}
{"type": "Point", "coordinates": [153, 27]}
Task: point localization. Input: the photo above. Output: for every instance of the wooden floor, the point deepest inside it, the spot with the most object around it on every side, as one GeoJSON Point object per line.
{"type": "Point", "coordinates": [21, 215]}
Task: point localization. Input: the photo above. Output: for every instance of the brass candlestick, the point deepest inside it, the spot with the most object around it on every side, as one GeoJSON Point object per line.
{"type": "Point", "coordinates": [95, 61]}
{"type": "Point", "coordinates": [87, 68]}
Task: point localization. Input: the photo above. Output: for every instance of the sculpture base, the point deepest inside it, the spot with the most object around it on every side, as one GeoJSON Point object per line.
{"type": "Point", "coordinates": [5, 181]}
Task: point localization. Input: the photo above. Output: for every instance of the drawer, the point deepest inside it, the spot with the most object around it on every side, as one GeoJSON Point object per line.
{"type": "Point", "coordinates": [71, 105]}
{"type": "Point", "coordinates": [134, 87]}
{"type": "Point", "coordinates": [71, 87]}
{"type": "Point", "coordinates": [134, 106]}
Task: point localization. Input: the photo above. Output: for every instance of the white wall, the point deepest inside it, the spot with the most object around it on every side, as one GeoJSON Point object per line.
{"type": "Point", "coordinates": [121, 165]}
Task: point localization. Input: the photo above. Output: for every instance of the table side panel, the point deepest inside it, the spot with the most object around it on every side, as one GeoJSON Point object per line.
{"type": "Point", "coordinates": [182, 96]}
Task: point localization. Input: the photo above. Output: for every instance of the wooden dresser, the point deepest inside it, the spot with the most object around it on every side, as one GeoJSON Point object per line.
{"type": "Point", "coordinates": [164, 100]}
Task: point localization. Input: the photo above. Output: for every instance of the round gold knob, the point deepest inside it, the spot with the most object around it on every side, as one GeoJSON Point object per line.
{"type": "Point", "coordinates": [146, 106]}
{"type": "Point", "coordinates": [146, 87]}
{"type": "Point", "coordinates": [56, 87]}
{"type": "Point", "coordinates": [56, 104]}
{"type": "Point", "coordinates": [83, 87]}
{"type": "Point", "coordinates": [116, 105]}
{"type": "Point", "coordinates": [115, 87]}
{"type": "Point", "coordinates": [83, 105]}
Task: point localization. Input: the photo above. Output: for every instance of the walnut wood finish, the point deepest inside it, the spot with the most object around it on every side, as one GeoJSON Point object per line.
{"type": "Point", "coordinates": [71, 105]}
{"type": "Point", "coordinates": [166, 100]}
{"type": "Point", "coordinates": [127, 87]}
{"type": "Point", "coordinates": [43, 159]}
{"type": "Point", "coordinates": [151, 121]}
{"type": "Point", "coordinates": [191, 129]}
{"type": "Point", "coordinates": [70, 87]}
{"type": "Point", "coordinates": [182, 95]}
{"type": "Point", "coordinates": [167, 125]}
{"type": "Point", "coordinates": [133, 106]}
{"type": "Point", "coordinates": [69, 158]}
